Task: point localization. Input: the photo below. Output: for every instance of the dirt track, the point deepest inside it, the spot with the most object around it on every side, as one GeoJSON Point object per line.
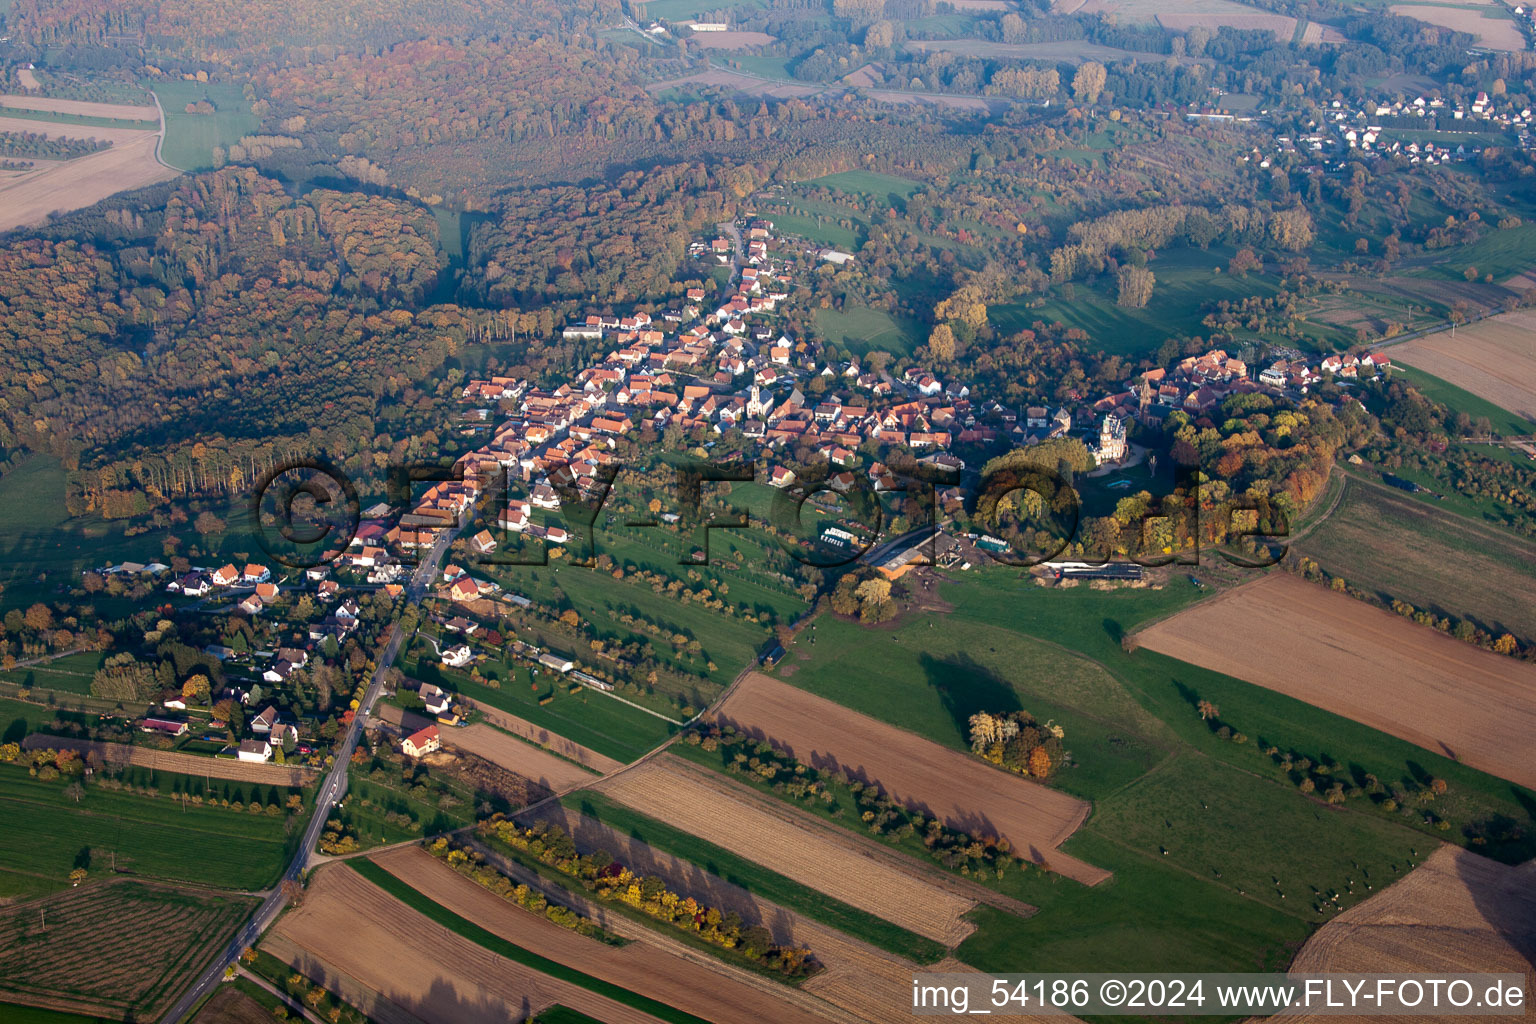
{"type": "Point", "coordinates": [183, 764]}
{"type": "Point", "coordinates": [638, 966]}
{"type": "Point", "coordinates": [1367, 664]}
{"type": "Point", "coordinates": [681, 795]}
{"type": "Point", "coordinates": [428, 970]}
{"type": "Point", "coordinates": [550, 772]}
{"type": "Point", "coordinates": [1456, 912]}
{"type": "Point", "coordinates": [962, 791]}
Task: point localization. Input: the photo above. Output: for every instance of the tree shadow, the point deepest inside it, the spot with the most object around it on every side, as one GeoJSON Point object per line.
{"type": "Point", "coordinates": [965, 688]}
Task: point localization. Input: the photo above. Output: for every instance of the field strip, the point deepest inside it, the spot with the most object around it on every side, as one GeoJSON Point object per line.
{"type": "Point", "coordinates": [176, 761]}
{"type": "Point", "coordinates": [1495, 359]}
{"type": "Point", "coordinates": [672, 791]}
{"type": "Point", "coordinates": [353, 992]}
{"type": "Point", "coordinates": [553, 773]}
{"type": "Point", "coordinates": [1365, 663]}
{"type": "Point", "coordinates": [424, 967]}
{"type": "Point", "coordinates": [82, 108]}
{"type": "Point", "coordinates": [30, 198]}
{"type": "Point", "coordinates": [1456, 912]}
{"type": "Point", "coordinates": [543, 737]}
{"type": "Point", "coordinates": [714, 993]}
{"type": "Point", "coordinates": [59, 130]}
{"type": "Point", "coordinates": [794, 818]}
{"type": "Point", "coordinates": [868, 983]}
{"type": "Point", "coordinates": [960, 790]}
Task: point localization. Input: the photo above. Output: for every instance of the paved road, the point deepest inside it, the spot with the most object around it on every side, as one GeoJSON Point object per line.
{"type": "Point", "coordinates": [331, 791]}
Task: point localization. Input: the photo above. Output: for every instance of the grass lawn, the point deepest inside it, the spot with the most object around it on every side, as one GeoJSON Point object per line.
{"type": "Point", "coordinates": [870, 183]}
{"type": "Point", "coordinates": [1503, 252]}
{"type": "Point", "coordinates": [590, 718]}
{"type": "Point", "coordinates": [860, 329]}
{"type": "Point", "coordinates": [43, 548]}
{"type": "Point", "coordinates": [1219, 862]}
{"type": "Point", "coordinates": [424, 904]}
{"type": "Point", "coordinates": [682, 10]}
{"type": "Point", "coordinates": [155, 837]}
{"type": "Point", "coordinates": [930, 676]}
{"type": "Point", "coordinates": [370, 800]}
{"type": "Point", "coordinates": [1459, 400]}
{"type": "Point", "coordinates": [815, 228]}
{"type": "Point", "coordinates": [71, 673]}
{"type": "Point", "coordinates": [1403, 547]}
{"type": "Point", "coordinates": [190, 138]}
{"type": "Point", "coordinates": [79, 120]}
{"type": "Point", "coordinates": [756, 879]}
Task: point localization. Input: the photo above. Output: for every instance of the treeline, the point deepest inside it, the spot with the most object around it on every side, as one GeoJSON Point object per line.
{"type": "Point", "coordinates": [38, 144]}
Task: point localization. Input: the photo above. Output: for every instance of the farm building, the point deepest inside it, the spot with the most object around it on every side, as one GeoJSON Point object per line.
{"type": "Point", "coordinates": [166, 726]}
{"type": "Point", "coordinates": [557, 662]}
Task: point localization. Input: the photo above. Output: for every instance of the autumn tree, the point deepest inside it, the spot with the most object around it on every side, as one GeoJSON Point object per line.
{"type": "Point", "coordinates": [1207, 710]}
{"type": "Point", "coordinates": [1088, 82]}
{"type": "Point", "coordinates": [1135, 286]}
{"type": "Point", "coordinates": [941, 343]}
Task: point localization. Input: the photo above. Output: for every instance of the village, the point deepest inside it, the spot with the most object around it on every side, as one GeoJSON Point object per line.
{"type": "Point", "coordinates": [703, 369]}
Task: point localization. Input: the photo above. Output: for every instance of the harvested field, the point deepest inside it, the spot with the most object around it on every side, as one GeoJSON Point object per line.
{"type": "Point", "coordinates": [1367, 664]}
{"type": "Point", "coordinates": [1494, 359]}
{"type": "Point", "coordinates": [691, 799]}
{"type": "Point", "coordinates": [690, 986]}
{"type": "Point", "coordinates": [231, 1006]}
{"type": "Point", "coordinates": [1317, 32]}
{"type": "Point", "coordinates": [115, 949]}
{"type": "Point", "coordinates": [1454, 913]}
{"type": "Point", "coordinates": [57, 130]}
{"type": "Point", "coordinates": [544, 738]}
{"type": "Point", "coordinates": [1282, 26]}
{"type": "Point", "coordinates": [175, 761]}
{"type": "Point", "coordinates": [83, 108]}
{"type": "Point", "coordinates": [540, 766]}
{"type": "Point", "coordinates": [425, 968]}
{"type": "Point", "coordinates": [962, 791]}
{"type": "Point", "coordinates": [1492, 26]}
{"type": "Point", "coordinates": [28, 79]}
{"type": "Point", "coordinates": [1383, 540]}
{"type": "Point", "coordinates": [732, 40]}
{"type": "Point", "coordinates": [861, 982]}
{"type": "Point", "coordinates": [31, 197]}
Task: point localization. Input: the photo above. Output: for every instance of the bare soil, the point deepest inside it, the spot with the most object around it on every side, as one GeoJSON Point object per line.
{"type": "Point", "coordinates": [231, 1006]}
{"type": "Point", "coordinates": [544, 738]}
{"type": "Point", "coordinates": [1455, 913]}
{"type": "Point", "coordinates": [1353, 659]}
{"type": "Point", "coordinates": [639, 966]}
{"type": "Point", "coordinates": [690, 799]}
{"type": "Point", "coordinates": [958, 789]}
{"type": "Point", "coordinates": [1494, 359]}
{"type": "Point", "coordinates": [29, 198]}
{"type": "Point", "coordinates": [348, 926]}
{"type": "Point", "coordinates": [83, 108]}
{"type": "Point", "coordinates": [539, 766]}
{"type": "Point", "coordinates": [1498, 32]}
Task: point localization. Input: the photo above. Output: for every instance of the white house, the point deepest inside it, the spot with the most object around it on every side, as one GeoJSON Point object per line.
{"type": "Point", "coordinates": [259, 751]}
{"type": "Point", "coordinates": [422, 742]}
{"type": "Point", "coordinates": [458, 656]}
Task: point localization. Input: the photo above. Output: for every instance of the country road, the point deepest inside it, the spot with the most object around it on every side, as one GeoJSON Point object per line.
{"type": "Point", "coordinates": [331, 792]}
